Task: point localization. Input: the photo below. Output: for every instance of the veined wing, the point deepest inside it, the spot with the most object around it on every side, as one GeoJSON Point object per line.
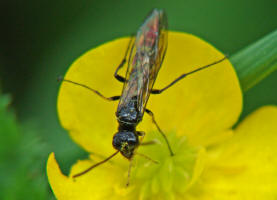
{"type": "Point", "coordinates": [145, 60]}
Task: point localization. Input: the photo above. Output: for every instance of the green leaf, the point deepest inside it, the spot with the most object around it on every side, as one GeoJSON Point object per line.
{"type": "Point", "coordinates": [9, 134]}
{"type": "Point", "coordinates": [22, 158]}
{"type": "Point", "coordinates": [256, 61]}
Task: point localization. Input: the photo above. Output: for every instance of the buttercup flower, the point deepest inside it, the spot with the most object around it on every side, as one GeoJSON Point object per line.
{"type": "Point", "coordinates": [211, 161]}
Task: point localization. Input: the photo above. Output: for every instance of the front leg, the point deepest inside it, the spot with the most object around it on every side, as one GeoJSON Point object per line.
{"type": "Point", "coordinates": [141, 134]}
{"type": "Point", "coordinates": [151, 114]}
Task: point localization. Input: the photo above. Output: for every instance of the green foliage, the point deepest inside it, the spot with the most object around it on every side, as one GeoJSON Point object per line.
{"type": "Point", "coordinates": [256, 61]}
{"type": "Point", "coordinates": [22, 158]}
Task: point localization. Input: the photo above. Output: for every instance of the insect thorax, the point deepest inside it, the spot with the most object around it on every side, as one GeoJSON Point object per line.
{"type": "Point", "coordinates": [128, 113]}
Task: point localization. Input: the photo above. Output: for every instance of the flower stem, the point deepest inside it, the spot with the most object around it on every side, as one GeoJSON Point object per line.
{"type": "Point", "coordinates": [256, 61]}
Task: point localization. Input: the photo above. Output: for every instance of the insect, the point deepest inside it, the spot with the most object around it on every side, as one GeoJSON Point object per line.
{"type": "Point", "coordinates": [146, 54]}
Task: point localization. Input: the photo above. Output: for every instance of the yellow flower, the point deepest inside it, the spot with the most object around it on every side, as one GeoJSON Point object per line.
{"type": "Point", "coordinates": [212, 160]}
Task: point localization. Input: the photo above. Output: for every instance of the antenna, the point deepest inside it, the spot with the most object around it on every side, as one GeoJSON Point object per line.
{"type": "Point", "coordinates": [95, 165]}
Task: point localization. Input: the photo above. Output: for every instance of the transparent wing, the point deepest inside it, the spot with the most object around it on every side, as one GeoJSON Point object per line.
{"type": "Point", "coordinates": [145, 60]}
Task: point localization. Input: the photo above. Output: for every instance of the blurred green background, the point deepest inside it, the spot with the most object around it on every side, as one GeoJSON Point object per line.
{"type": "Point", "coordinates": [40, 39]}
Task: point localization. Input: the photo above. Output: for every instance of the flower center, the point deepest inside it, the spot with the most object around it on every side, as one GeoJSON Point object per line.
{"type": "Point", "coordinates": [171, 176]}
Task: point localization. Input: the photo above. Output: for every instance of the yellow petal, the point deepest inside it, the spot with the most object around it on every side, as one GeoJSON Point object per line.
{"type": "Point", "coordinates": [204, 103]}
{"type": "Point", "coordinates": [245, 167]}
{"type": "Point", "coordinates": [168, 179]}
{"type": "Point", "coordinates": [98, 184]}
{"type": "Point", "coordinates": [198, 167]}
{"type": "Point", "coordinates": [89, 119]}
{"type": "Point", "coordinates": [200, 106]}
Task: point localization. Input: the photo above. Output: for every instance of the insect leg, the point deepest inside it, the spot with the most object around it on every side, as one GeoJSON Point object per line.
{"type": "Point", "coordinates": [159, 91]}
{"type": "Point", "coordinates": [142, 134]}
{"type": "Point", "coordinates": [148, 143]}
{"type": "Point", "coordinates": [116, 75]}
{"type": "Point", "coordinates": [147, 157]}
{"type": "Point", "coordinates": [149, 112]}
{"type": "Point", "coordinates": [113, 98]}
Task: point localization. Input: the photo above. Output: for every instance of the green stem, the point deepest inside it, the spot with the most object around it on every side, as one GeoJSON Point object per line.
{"type": "Point", "coordinates": [256, 61]}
